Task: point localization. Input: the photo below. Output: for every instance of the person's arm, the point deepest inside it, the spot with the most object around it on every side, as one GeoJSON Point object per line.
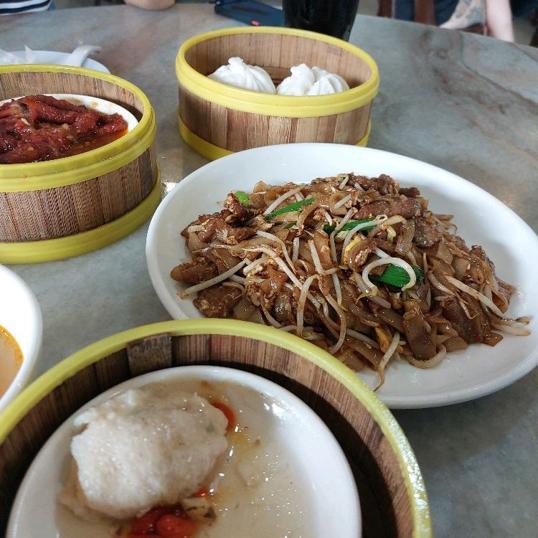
{"type": "Point", "coordinates": [151, 4]}
{"type": "Point", "coordinates": [499, 19]}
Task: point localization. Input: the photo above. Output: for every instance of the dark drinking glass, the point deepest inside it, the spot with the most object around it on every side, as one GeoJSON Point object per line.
{"type": "Point", "coordinates": [332, 17]}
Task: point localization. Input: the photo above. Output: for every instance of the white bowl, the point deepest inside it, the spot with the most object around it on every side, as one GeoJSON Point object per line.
{"type": "Point", "coordinates": [481, 219]}
{"type": "Point", "coordinates": [54, 57]}
{"type": "Point", "coordinates": [301, 436]}
{"type": "Point", "coordinates": [21, 316]}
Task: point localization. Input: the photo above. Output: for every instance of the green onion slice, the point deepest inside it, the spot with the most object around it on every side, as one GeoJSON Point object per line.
{"type": "Point", "coordinates": [289, 208]}
{"type": "Point", "coordinates": [349, 225]}
{"type": "Point", "coordinates": [397, 277]}
{"type": "Point", "coordinates": [243, 197]}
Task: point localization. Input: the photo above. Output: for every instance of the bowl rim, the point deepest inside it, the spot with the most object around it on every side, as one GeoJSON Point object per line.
{"type": "Point", "coordinates": [276, 105]}
{"type": "Point", "coordinates": [259, 386]}
{"type": "Point", "coordinates": [68, 367]}
{"type": "Point", "coordinates": [23, 177]}
{"type": "Point", "coordinates": [30, 359]}
{"type": "Point", "coordinates": [89, 101]}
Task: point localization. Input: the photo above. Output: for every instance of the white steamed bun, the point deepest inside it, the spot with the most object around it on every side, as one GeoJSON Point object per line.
{"type": "Point", "coordinates": [311, 81]}
{"type": "Point", "coordinates": [249, 77]}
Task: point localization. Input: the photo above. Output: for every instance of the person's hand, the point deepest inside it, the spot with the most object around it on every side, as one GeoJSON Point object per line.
{"type": "Point", "coordinates": [151, 4]}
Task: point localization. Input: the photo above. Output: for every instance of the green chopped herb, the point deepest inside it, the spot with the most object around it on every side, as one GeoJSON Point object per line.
{"type": "Point", "coordinates": [397, 277]}
{"type": "Point", "coordinates": [290, 225]}
{"type": "Point", "coordinates": [296, 206]}
{"type": "Point", "coordinates": [349, 225]}
{"type": "Point", "coordinates": [242, 197]}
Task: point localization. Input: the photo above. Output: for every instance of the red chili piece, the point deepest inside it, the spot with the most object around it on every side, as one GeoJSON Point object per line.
{"type": "Point", "coordinates": [171, 526]}
{"type": "Point", "coordinates": [228, 413]}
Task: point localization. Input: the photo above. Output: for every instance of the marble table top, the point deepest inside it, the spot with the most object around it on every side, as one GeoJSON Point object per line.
{"type": "Point", "coordinates": [463, 102]}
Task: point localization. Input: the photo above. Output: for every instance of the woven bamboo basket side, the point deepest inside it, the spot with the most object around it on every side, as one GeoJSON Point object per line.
{"type": "Point", "coordinates": [277, 53]}
{"type": "Point", "coordinates": [60, 212]}
{"type": "Point", "coordinates": [385, 503]}
{"type": "Point", "coordinates": [83, 204]}
{"type": "Point", "coordinates": [216, 119]}
{"type": "Point", "coordinates": [235, 130]}
{"type": "Point", "coordinates": [19, 83]}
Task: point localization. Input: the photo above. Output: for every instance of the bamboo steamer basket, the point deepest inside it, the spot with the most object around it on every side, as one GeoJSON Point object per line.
{"type": "Point", "coordinates": [217, 119]}
{"type": "Point", "coordinates": [392, 493]}
{"type": "Point", "coordinates": [65, 207]}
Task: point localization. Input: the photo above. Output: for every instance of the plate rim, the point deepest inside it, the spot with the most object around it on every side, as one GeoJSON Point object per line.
{"type": "Point", "coordinates": [95, 64]}
{"type": "Point", "coordinates": [217, 373]}
{"type": "Point", "coordinates": [450, 397]}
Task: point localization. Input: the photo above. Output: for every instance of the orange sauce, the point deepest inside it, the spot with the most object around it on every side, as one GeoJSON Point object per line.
{"type": "Point", "coordinates": [83, 147]}
{"type": "Point", "coordinates": [10, 359]}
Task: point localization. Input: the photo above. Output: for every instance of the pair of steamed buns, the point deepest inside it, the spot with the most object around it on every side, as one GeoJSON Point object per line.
{"type": "Point", "coordinates": [302, 81]}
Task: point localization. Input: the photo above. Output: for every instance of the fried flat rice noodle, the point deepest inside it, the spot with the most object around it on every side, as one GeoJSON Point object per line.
{"type": "Point", "coordinates": [359, 266]}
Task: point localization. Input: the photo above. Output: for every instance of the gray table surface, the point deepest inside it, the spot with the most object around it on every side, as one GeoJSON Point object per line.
{"type": "Point", "coordinates": [466, 103]}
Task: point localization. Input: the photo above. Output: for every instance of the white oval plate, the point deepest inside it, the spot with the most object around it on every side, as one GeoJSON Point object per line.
{"type": "Point", "coordinates": [49, 57]}
{"type": "Point", "coordinates": [94, 103]}
{"type": "Point", "coordinates": [20, 314]}
{"type": "Point", "coordinates": [302, 437]}
{"type": "Point", "coordinates": [481, 219]}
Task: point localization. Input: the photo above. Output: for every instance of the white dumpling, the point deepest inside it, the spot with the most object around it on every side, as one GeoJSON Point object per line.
{"type": "Point", "coordinates": [241, 75]}
{"type": "Point", "coordinates": [311, 81]}
{"type": "Point", "coordinates": [299, 82]}
{"type": "Point", "coordinates": [327, 83]}
{"type": "Point", "coordinates": [143, 448]}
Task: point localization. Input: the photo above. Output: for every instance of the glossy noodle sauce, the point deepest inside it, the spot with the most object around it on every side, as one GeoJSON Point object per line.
{"type": "Point", "coordinates": [10, 359]}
